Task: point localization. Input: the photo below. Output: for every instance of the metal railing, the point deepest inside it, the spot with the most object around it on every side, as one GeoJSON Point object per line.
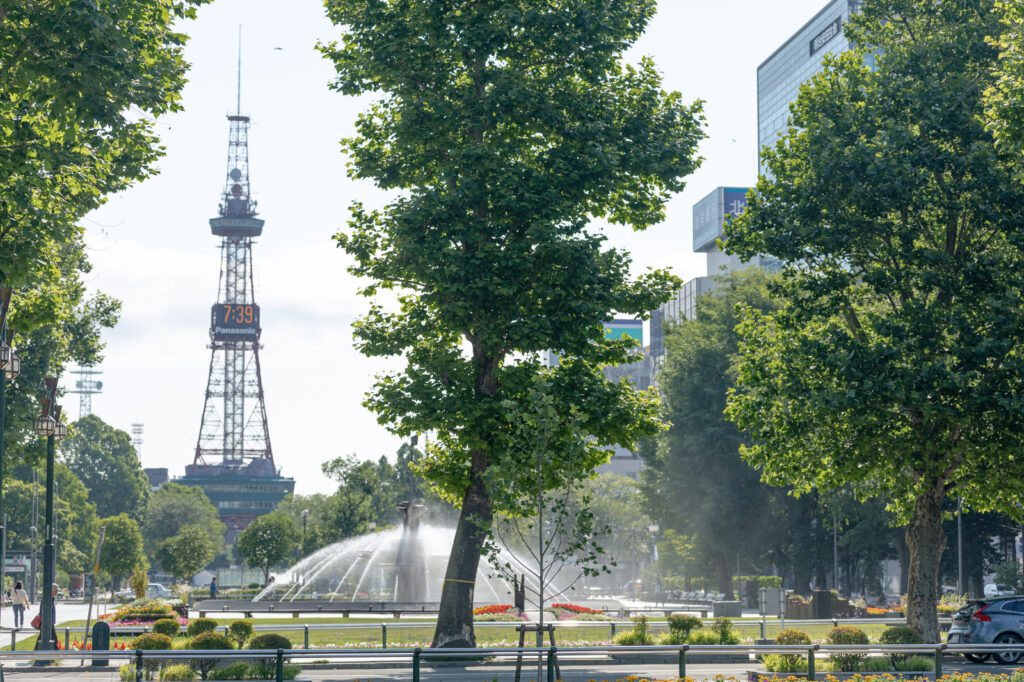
{"type": "Point", "coordinates": [417, 657]}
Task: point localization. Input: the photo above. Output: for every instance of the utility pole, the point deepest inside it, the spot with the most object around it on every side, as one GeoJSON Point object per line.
{"type": "Point", "coordinates": [960, 546]}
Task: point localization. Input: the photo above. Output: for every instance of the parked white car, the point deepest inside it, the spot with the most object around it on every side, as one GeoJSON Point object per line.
{"type": "Point", "coordinates": [153, 591]}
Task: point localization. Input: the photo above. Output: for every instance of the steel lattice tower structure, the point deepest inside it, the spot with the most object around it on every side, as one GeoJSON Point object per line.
{"type": "Point", "coordinates": [234, 462]}
{"type": "Point", "coordinates": [234, 426]}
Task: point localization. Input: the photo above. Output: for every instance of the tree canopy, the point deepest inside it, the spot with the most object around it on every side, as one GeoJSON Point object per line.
{"type": "Point", "coordinates": [105, 460]}
{"type": "Point", "coordinates": [896, 363]}
{"type": "Point", "coordinates": [267, 541]}
{"type": "Point", "coordinates": [696, 465]}
{"type": "Point", "coordinates": [186, 553]}
{"type": "Point", "coordinates": [122, 547]}
{"type": "Point", "coordinates": [504, 129]}
{"type": "Point", "coordinates": [174, 506]}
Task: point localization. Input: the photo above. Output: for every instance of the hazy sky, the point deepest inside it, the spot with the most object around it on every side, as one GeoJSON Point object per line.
{"type": "Point", "coordinates": [151, 246]}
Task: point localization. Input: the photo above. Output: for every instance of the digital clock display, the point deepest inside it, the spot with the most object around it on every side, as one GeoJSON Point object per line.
{"type": "Point", "coordinates": [235, 321]}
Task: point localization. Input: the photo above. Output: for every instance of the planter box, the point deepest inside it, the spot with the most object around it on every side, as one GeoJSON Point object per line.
{"type": "Point", "coordinates": [755, 676]}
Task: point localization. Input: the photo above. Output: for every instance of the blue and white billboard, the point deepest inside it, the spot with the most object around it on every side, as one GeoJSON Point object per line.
{"type": "Point", "coordinates": [710, 215]}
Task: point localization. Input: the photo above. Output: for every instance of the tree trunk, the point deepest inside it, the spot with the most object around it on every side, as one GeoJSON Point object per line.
{"type": "Point", "coordinates": [455, 616]}
{"type": "Point", "coordinates": [724, 576]}
{"type": "Point", "coordinates": [925, 540]}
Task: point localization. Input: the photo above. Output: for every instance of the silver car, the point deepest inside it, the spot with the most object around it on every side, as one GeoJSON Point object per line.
{"type": "Point", "coordinates": [999, 620]}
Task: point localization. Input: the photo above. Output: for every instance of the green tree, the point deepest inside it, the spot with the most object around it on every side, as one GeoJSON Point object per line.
{"type": "Point", "coordinates": [174, 506]}
{"type": "Point", "coordinates": [351, 509]}
{"type": "Point", "coordinates": [504, 128]}
{"type": "Point", "coordinates": [1006, 95]}
{"type": "Point", "coordinates": [186, 553]}
{"type": "Point", "coordinates": [895, 366]}
{"type": "Point", "coordinates": [105, 460]}
{"type": "Point", "coordinates": [82, 84]}
{"type": "Point", "coordinates": [122, 547]}
{"type": "Point", "coordinates": [266, 542]}
{"type": "Point", "coordinates": [696, 469]}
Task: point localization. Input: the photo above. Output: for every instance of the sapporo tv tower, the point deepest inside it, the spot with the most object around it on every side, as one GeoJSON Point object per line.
{"type": "Point", "coordinates": [234, 463]}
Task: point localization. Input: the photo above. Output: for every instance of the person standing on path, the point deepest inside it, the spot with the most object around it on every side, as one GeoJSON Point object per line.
{"type": "Point", "coordinates": [19, 601]}
{"type": "Point", "coordinates": [213, 588]}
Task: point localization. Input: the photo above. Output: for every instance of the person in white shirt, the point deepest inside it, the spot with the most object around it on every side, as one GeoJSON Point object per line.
{"type": "Point", "coordinates": [19, 598]}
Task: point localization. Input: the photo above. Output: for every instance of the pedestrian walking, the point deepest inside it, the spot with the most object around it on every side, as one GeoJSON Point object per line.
{"type": "Point", "coordinates": [213, 588]}
{"type": "Point", "coordinates": [19, 601]}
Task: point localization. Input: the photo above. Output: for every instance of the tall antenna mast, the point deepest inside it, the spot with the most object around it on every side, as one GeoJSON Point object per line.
{"type": "Point", "coordinates": [238, 101]}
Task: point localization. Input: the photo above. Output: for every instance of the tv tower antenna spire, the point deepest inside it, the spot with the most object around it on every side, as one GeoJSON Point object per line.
{"type": "Point", "coordinates": [238, 99]}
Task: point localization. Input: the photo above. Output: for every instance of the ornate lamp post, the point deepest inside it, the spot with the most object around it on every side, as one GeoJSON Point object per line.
{"type": "Point", "coordinates": [10, 368]}
{"type": "Point", "coordinates": [48, 426]}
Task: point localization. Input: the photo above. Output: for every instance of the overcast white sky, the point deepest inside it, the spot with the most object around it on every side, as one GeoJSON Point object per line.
{"type": "Point", "coordinates": [151, 245]}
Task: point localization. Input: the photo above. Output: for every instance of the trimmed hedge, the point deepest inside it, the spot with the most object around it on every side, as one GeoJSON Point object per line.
{"type": "Point", "coordinates": [198, 626]}
{"type": "Point", "coordinates": [167, 626]}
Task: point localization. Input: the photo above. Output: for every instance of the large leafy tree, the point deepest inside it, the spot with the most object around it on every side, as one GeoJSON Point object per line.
{"type": "Point", "coordinates": [174, 506]}
{"type": "Point", "coordinates": [897, 363]}
{"type": "Point", "coordinates": [186, 553]}
{"type": "Point", "coordinates": [104, 458]}
{"type": "Point", "coordinates": [728, 511]}
{"type": "Point", "coordinates": [504, 127]}
{"type": "Point", "coordinates": [122, 549]}
{"type": "Point", "coordinates": [1006, 95]}
{"type": "Point", "coordinates": [81, 82]}
{"type": "Point", "coordinates": [267, 541]}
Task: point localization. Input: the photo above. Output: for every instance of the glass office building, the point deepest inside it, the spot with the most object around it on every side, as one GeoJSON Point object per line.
{"type": "Point", "coordinates": [779, 77]}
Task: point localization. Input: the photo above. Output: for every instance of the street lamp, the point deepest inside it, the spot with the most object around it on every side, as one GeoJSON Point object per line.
{"type": "Point", "coordinates": [47, 426]}
{"type": "Point", "coordinates": [10, 368]}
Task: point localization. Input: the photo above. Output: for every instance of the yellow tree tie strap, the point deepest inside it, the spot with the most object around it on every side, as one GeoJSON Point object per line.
{"type": "Point", "coordinates": [456, 580]}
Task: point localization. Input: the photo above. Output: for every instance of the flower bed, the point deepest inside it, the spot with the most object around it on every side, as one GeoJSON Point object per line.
{"type": "Point", "coordinates": [575, 612]}
{"type": "Point", "coordinates": [497, 613]}
{"type": "Point", "coordinates": [141, 612]}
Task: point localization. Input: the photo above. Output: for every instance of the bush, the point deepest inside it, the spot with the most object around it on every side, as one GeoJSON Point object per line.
{"type": "Point", "coordinates": [254, 586]}
{"type": "Point", "coordinates": [179, 671]}
{"type": "Point", "coordinates": [915, 663]}
{"type": "Point", "coordinates": [167, 626]}
{"type": "Point", "coordinates": [638, 636]}
{"type": "Point", "coordinates": [235, 671]}
{"type": "Point", "coordinates": [269, 640]}
{"type": "Point", "coordinates": [127, 672]}
{"type": "Point", "coordinates": [845, 634]}
{"type": "Point", "coordinates": [703, 637]}
{"type": "Point", "coordinates": [875, 665]}
{"type": "Point", "coordinates": [900, 634]}
{"type": "Point", "coordinates": [784, 663]}
{"type": "Point", "coordinates": [269, 672]}
{"type": "Point", "coordinates": [684, 625]}
{"type": "Point", "coordinates": [792, 663]}
{"type": "Point", "coordinates": [723, 628]}
{"type": "Point", "coordinates": [151, 641]}
{"type": "Point", "coordinates": [205, 641]}
{"type": "Point", "coordinates": [198, 626]}
{"type": "Point", "coordinates": [240, 631]}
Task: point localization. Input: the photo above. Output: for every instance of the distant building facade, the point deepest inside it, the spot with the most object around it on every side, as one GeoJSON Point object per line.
{"type": "Point", "coordinates": [780, 76]}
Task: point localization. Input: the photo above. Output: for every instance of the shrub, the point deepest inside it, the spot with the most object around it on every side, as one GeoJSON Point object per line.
{"type": "Point", "coordinates": [235, 671]}
{"type": "Point", "coordinates": [269, 672]}
{"type": "Point", "coordinates": [167, 626]}
{"type": "Point", "coordinates": [703, 637]}
{"type": "Point", "coordinates": [205, 641]}
{"type": "Point", "coordinates": [723, 628]}
{"type": "Point", "coordinates": [269, 640]}
{"type": "Point", "coordinates": [178, 671]}
{"type": "Point", "coordinates": [240, 631]}
{"type": "Point", "coordinates": [127, 672]}
{"type": "Point", "coordinates": [198, 626]}
{"type": "Point", "coordinates": [139, 581]}
{"type": "Point", "coordinates": [784, 663]}
{"type": "Point", "coordinates": [151, 641]}
{"type": "Point", "coordinates": [254, 586]}
{"type": "Point", "coordinates": [638, 636]}
{"type": "Point", "coordinates": [900, 634]}
{"type": "Point", "coordinates": [845, 634]}
{"type": "Point", "coordinates": [673, 638]}
{"type": "Point", "coordinates": [915, 662]}
{"type": "Point", "coordinates": [792, 662]}
{"type": "Point", "coordinates": [875, 665]}
{"type": "Point", "coordinates": [684, 625]}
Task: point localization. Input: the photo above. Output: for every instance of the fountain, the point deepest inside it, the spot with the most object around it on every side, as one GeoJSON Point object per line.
{"type": "Point", "coordinates": [389, 570]}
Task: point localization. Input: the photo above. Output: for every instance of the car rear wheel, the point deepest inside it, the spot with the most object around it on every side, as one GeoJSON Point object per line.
{"type": "Point", "coordinates": [976, 658]}
{"type": "Point", "coordinates": [1008, 657]}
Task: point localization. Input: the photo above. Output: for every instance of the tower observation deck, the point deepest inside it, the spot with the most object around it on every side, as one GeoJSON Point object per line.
{"type": "Point", "coordinates": [234, 462]}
